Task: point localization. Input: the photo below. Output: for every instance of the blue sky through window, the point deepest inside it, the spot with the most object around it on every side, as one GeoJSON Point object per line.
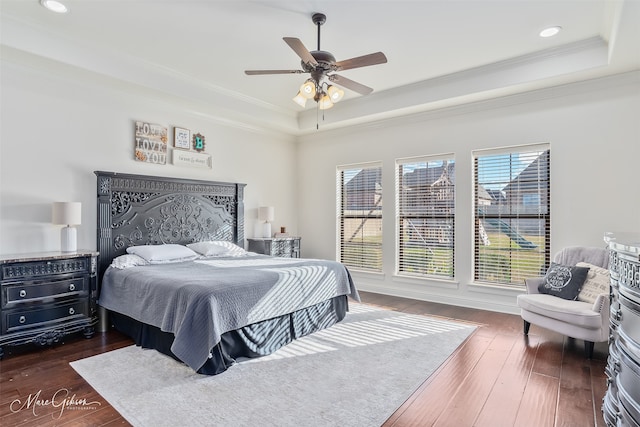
{"type": "Point", "coordinates": [496, 171]}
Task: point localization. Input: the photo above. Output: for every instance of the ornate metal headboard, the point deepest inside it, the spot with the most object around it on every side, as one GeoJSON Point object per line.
{"type": "Point", "coordinates": [143, 210]}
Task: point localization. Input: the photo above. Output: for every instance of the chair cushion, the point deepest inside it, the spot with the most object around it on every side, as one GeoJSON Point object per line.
{"type": "Point", "coordinates": [563, 281]}
{"type": "Point", "coordinates": [577, 313]}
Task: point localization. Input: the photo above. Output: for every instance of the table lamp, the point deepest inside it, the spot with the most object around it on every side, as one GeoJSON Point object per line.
{"type": "Point", "coordinates": [265, 213]}
{"type": "Point", "coordinates": [69, 214]}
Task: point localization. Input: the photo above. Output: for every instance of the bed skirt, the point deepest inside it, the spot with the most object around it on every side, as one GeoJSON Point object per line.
{"type": "Point", "coordinates": [255, 340]}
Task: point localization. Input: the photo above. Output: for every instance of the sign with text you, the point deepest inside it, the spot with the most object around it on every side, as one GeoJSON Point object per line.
{"type": "Point", "coordinates": [151, 143]}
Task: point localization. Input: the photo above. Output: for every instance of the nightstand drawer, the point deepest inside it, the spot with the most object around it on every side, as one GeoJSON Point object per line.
{"type": "Point", "coordinates": [36, 291]}
{"type": "Point", "coordinates": [34, 269]}
{"type": "Point", "coordinates": [286, 247]}
{"type": "Point", "coordinates": [23, 319]}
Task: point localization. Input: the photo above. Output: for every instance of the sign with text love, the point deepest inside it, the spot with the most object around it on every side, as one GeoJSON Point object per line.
{"type": "Point", "coordinates": [151, 143]}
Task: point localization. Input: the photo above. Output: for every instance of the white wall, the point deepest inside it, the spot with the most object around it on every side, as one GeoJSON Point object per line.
{"type": "Point", "coordinates": [594, 131]}
{"type": "Point", "coordinates": [59, 124]}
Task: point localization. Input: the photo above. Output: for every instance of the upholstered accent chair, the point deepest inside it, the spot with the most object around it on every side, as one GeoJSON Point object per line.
{"type": "Point", "coordinates": [588, 321]}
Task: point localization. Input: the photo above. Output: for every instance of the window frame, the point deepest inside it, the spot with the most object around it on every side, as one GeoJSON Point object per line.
{"type": "Point", "coordinates": [540, 216]}
{"type": "Point", "coordinates": [377, 261]}
{"type": "Point", "coordinates": [425, 216]}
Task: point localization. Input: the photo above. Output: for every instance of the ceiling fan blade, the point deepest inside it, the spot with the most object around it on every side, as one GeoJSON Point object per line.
{"type": "Point", "coordinates": [302, 51]}
{"type": "Point", "coordinates": [258, 72]}
{"type": "Point", "coordinates": [361, 61]}
{"type": "Point", "coordinates": [350, 84]}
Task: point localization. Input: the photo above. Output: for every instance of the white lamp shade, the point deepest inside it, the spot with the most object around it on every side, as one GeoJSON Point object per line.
{"type": "Point", "coordinates": [325, 102]}
{"type": "Point", "coordinates": [308, 89]}
{"type": "Point", "coordinates": [335, 93]}
{"type": "Point", "coordinates": [300, 100]}
{"type": "Point", "coordinates": [266, 213]}
{"type": "Point", "coordinates": [67, 213]}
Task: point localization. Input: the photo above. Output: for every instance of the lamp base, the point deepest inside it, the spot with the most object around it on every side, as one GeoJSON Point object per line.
{"type": "Point", "coordinates": [68, 239]}
{"type": "Point", "coordinates": [266, 229]}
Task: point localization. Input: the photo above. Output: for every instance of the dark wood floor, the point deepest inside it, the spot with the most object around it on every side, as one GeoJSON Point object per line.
{"type": "Point", "coordinates": [498, 377]}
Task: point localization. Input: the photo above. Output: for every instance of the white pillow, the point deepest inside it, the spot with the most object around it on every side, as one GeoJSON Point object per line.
{"type": "Point", "coordinates": [597, 283]}
{"type": "Point", "coordinates": [126, 261]}
{"type": "Point", "coordinates": [217, 248]}
{"type": "Point", "coordinates": [158, 254]}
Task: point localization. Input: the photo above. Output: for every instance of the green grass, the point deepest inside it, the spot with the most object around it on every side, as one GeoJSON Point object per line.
{"type": "Point", "coordinates": [434, 262]}
{"type": "Point", "coordinates": [502, 262]}
{"type": "Point", "coordinates": [364, 252]}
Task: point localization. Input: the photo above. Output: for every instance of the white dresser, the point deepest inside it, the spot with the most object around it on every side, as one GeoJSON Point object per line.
{"type": "Point", "coordinates": [621, 405]}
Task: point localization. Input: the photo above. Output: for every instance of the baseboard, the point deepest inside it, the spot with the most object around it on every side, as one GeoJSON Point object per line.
{"type": "Point", "coordinates": [484, 301]}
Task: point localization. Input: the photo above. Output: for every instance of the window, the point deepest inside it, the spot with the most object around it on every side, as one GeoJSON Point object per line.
{"type": "Point", "coordinates": [425, 188]}
{"type": "Point", "coordinates": [360, 216]}
{"type": "Point", "coordinates": [512, 214]}
{"type": "Point", "coordinates": [532, 199]}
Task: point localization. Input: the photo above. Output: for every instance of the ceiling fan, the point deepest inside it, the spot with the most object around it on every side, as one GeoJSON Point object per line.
{"type": "Point", "coordinates": [322, 65]}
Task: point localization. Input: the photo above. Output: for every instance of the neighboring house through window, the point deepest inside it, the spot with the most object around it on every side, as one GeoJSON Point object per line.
{"type": "Point", "coordinates": [425, 215]}
{"type": "Point", "coordinates": [359, 204]}
{"type": "Point", "coordinates": [512, 214]}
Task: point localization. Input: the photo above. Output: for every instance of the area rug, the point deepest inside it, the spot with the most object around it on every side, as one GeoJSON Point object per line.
{"type": "Point", "coordinates": [356, 373]}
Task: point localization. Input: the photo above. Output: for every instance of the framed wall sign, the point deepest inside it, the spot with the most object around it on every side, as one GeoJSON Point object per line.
{"type": "Point", "coordinates": [198, 142]}
{"type": "Point", "coordinates": [181, 138]}
{"type": "Point", "coordinates": [151, 143]}
{"type": "Point", "coordinates": [191, 159]}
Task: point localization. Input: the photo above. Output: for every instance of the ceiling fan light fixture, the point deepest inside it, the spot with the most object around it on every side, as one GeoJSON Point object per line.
{"type": "Point", "coordinates": [308, 89]}
{"type": "Point", "coordinates": [300, 100]}
{"type": "Point", "coordinates": [325, 102]}
{"type": "Point", "coordinates": [322, 65]}
{"type": "Point", "coordinates": [335, 93]}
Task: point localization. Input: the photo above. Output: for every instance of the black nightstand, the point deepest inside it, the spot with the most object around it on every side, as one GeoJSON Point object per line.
{"type": "Point", "coordinates": [286, 247]}
{"type": "Point", "coordinates": [45, 296]}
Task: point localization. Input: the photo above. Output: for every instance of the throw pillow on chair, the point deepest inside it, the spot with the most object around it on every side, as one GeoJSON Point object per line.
{"type": "Point", "coordinates": [564, 281]}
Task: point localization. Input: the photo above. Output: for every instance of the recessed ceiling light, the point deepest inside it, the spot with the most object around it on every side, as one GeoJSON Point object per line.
{"type": "Point", "coordinates": [550, 32]}
{"type": "Point", "coordinates": [54, 6]}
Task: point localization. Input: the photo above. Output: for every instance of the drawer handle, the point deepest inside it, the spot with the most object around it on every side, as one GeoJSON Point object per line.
{"type": "Point", "coordinates": [23, 293]}
{"type": "Point", "coordinates": [72, 287]}
{"type": "Point", "coordinates": [22, 319]}
{"type": "Point", "coordinates": [71, 310]}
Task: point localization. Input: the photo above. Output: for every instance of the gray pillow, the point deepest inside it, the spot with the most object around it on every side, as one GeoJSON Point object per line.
{"type": "Point", "coordinates": [564, 281]}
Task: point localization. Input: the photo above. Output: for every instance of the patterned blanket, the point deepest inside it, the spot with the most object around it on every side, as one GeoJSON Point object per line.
{"type": "Point", "coordinates": [200, 300]}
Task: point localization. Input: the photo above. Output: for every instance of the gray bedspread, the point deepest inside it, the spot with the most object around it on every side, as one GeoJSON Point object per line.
{"type": "Point", "coordinates": [200, 300]}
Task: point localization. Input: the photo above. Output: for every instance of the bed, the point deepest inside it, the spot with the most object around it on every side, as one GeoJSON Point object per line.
{"type": "Point", "coordinates": [175, 277]}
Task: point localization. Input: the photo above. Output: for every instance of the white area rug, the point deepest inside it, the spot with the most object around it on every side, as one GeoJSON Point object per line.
{"type": "Point", "coordinates": [356, 373]}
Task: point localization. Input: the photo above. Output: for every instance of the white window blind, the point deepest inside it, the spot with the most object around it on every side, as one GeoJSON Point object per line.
{"type": "Point", "coordinates": [425, 213]}
{"type": "Point", "coordinates": [512, 214]}
{"type": "Point", "coordinates": [360, 216]}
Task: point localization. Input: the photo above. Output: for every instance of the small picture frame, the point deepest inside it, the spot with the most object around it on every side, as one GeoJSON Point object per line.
{"type": "Point", "coordinates": [181, 138]}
